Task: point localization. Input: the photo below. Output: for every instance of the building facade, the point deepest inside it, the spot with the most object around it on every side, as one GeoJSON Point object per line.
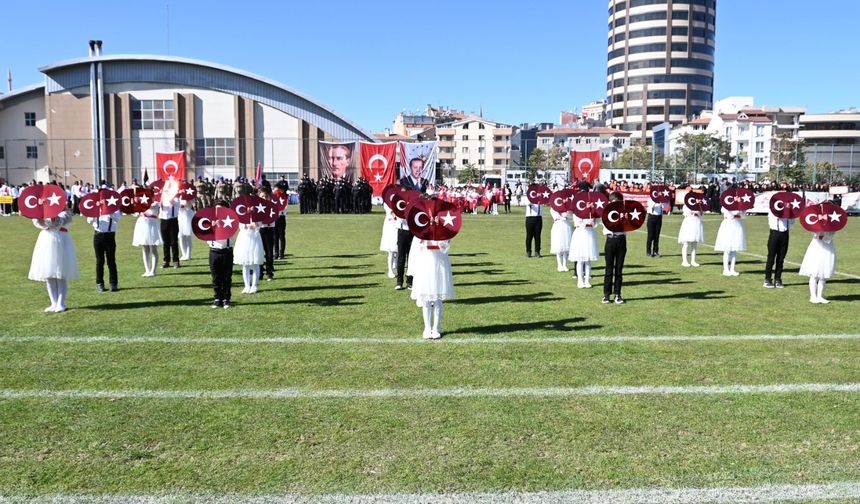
{"type": "Point", "coordinates": [833, 138]}
{"type": "Point", "coordinates": [484, 144]}
{"type": "Point", "coordinates": [610, 142]}
{"type": "Point", "coordinates": [660, 63]}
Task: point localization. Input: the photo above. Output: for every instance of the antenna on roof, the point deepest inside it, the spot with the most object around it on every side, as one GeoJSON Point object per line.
{"type": "Point", "coordinates": [9, 79]}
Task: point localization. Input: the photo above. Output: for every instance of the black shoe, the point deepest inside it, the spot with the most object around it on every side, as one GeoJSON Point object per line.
{"type": "Point", "coordinates": [216, 304]}
{"type": "Point", "coordinates": [165, 264]}
{"type": "Point", "coordinates": [528, 254]}
{"type": "Point", "coordinates": [227, 304]}
{"type": "Point", "coordinates": [619, 300]}
{"type": "Point", "coordinates": [100, 287]}
{"type": "Point", "coordinates": [114, 288]}
{"type": "Point", "coordinates": [606, 300]}
{"type": "Point", "coordinates": [538, 255]}
{"type": "Point", "coordinates": [768, 284]}
{"type": "Point", "coordinates": [656, 254]}
{"type": "Point", "coordinates": [409, 286]}
{"type": "Point", "coordinates": [176, 264]}
{"type": "Point", "coordinates": [398, 287]}
{"type": "Point", "coordinates": [269, 278]}
{"type": "Point", "coordinates": [779, 285]}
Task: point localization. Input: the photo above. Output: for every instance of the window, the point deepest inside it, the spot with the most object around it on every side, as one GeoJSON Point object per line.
{"type": "Point", "coordinates": [466, 126]}
{"type": "Point", "coordinates": [32, 152]}
{"type": "Point", "coordinates": [480, 125]}
{"type": "Point", "coordinates": [481, 161]}
{"type": "Point", "coordinates": [29, 118]}
{"type": "Point", "coordinates": [481, 138]}
{"type": "Point", "coordinates": [2, 152]}
{"type": "Point", "coordinates": [215, 151]}
{"type": "Point", "coordinates": [480, 150]}
{"type": "Point", "coordinates": [465, 137]}
{"type": "Point", "coordinates": [759, 131]}
{"type": "Point", "coordinates": [759, 147]}
{"type": "Point", "coordinates": [758, 163]}
{"type": "Point", "coordinates": [152, 114]}
{"type": "Point", "coordinates": [728, 133]}
{"type": "Point", "coordinates": [465, 150]}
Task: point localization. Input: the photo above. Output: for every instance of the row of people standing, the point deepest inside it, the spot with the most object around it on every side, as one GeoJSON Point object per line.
{"type": "Point", "coordinates": [330, 195]}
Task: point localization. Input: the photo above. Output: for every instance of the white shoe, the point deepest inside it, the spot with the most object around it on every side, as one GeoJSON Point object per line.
{"type": "Point", "coordinates": [245, 290]}
{"type": "Point", "coordinates": [49, 309]}
{"type": "Point", "coordinates": [814, 300]}
{"type": "Point", "coordinates": [184, 258]}
{"type": "Point", "coordinates": [60, 309]}
{"type": "Point", "coordinates": [695, 264]}
{"type": "Point", "coordinates": [727, 273]}
{"type": "Point", "coordinates": [685, 264]}
{"type": "Point", "coordinates": [435, 334]}
{"type": "Point", "coordinates": [565, 268]}
{"type": "Point", "coordinates": [587, 284]}
{"type": "Point", "coordinates": [735, 273]}
{"type": "Point", "coordinates": [821, 300]}
{"type": "Point", "coordinates": [253, 290]}
{"type": "Point", "coordinates": [580, 284]}
{"type": "Point", "coordinates": [390, 274]}
{"type": "Point", "coordinates": [427, 334]}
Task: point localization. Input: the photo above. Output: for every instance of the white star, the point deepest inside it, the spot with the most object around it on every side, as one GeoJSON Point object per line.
{"type": "Point", "coordinates": [635, 214]}
{"type": "Point", "coordinates": [599, 203]}
{"type": "Point", "coordinates": [54, 199]}
{"type": "Point", "coordinates": [189, 191]}
{"type": "Point", "coordinates": [378, 177]}
{"type": "Point", "coordinates": [448, 219]}
{"type": "Point", "coordinates": [665, 192]}
{"type": "Point", "coordinates": [795, 203]}
{"type": "Point", "coordinates": [834, 217]}
{"type": "Point", "coordinates": [227, 222]}
{"type": "Point", "coordinates": [171, 177]}
{"type": "Point", "coordinates": [545, 194]}
{"type": "Point", "coordinates": [260, 208]}
{"type": "Point", "coordinates": [111, 201]}
{"type": "Point", "coordinates": [746, 198]}
{"type": "Point", "coordinates": [144, 199]}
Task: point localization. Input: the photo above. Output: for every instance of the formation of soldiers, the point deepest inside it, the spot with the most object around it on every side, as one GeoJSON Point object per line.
{"type": "Point", "coordinates": [329, 195]}
{"type": "Point", "coordinates": [210, 191]}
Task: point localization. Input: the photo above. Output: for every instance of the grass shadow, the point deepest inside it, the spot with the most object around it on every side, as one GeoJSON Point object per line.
{"type": "Point", "coordinates": [482, 271]}
{"type": "Point", "coordinates": [336, 256]}
{"type": "Point", "coordinates": [537, 297]}
{"type": "Point", "coordinates": [494, 282]}
{"type": "Point", "coordinates": [701, 295]}
{"type": "Point", "coordinates": [562, 325]}
{"type": "Point", "coordinates": [658, 281]}
{"type": "Point", "coordinates": [320, 301]}
{"type": "Point", "coordinates": [299, 288]}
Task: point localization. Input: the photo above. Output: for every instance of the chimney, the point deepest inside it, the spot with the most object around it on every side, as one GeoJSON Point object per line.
{"type": "Point", "coordinates": [92, 48]}
{"type": "Point", "coordinates": [98, 47]}
{"type": "Point", "coordinates": [9, 79]}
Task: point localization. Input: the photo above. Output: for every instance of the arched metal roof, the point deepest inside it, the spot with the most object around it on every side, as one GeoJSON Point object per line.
{"type": "Point", "coordinates": [118, 68]}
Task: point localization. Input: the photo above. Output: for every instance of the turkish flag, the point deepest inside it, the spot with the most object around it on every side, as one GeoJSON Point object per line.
{"type": "Point", "coordinates": [215, 223]}
{"type": "Point", "coordinates": [398, 198]}
{"type": "Point", "coordinates": [251, 209]}
{"type": "Point", "coordinates": [560, 200]}
{"type": "Point", "coordinates": [660, 194]}
{"type": "Point", "coordinates": [623, 216]}
{"type": "Point", "coordinates": [378, 165]}
{"type": "Point", "coordinates": [538, 194]}
{"type": "Point", "coordinates": [737, 198]}
{"type": "Point", "coordinates": [96, 204]}
{"type": "Point", "coordinates": [589, 204]}
{"type": "Point", "coordinates": [786, 205]}
{"type": "Point", "coordinates": [823, 218]}
{"type": "Point", "coordinates": [170, 165]}
{"type": "Point", "coordinates": [280, 199]}
{"type": "Point", "coordinates": [434, 219]}
{"type": "Point", "coordinates": [585, 165]}
{"type": "Point", "coordinates": [136, 200]}
{"type": "Point", "coordinates": [42, 201]}
{"type": "Point", "coordinates": [187, 191]}
{"type": "Point", "coordinates": [696, 201]}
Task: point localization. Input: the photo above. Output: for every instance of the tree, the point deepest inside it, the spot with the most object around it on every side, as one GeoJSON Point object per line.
{"type": "Point", "coordinates": [536, 163]}
{"type": "Point", "coordinates": [637, 156]}
{"type": "Point", "coordinates": [557, 158]}
{"type": "Point", "coordinates": [703, 153]}
{"type": "Point", "coordinates": [469, 174]}
{"type": "Point", "coordinates": [787, 159]}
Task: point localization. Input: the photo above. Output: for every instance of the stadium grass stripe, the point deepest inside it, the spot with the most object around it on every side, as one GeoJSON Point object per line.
{"type": "Point", "coordinates": [768, 493]}
{"type": "Point", "coordinates": [181, 340]}
{"type": "Point", "coordinates": [410, 393]}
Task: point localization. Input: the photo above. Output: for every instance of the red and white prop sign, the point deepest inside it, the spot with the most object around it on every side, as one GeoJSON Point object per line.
{"type": "Point", "coordinates": [585, 165]}
{"type": "Point", "coordinates": [398, 198]}
{"type": "Point", "coordinates": [696, 202]}
{"type": "Point", "coordinates": [560, 200]}
{"type": "Point", "coordinates": [823, 218]}
{"type": "Point", "coordinates": [434, 219]}
{"type": "Point", "coordinates": [170, 165]}
{"type": "Point", "coordinates": [136, 200]}
{"type": "Point", "coordinates": [660, 194]}
{"type": "Point", "coordinates": [103, 202]}
{"type": "Point", "coordinates": [538, 194]}
{"type": "Point", "coordinates": [737, 199]}
{"type": "Point", "coordinates": [786, 205]}
{"type": "Point", "coordinates": [42, 201]}
{"type": "Point", "coordinates": [254, 209]}
{"type": "Point", "coordinates": [215, 223]}
{"type": "Point", "coordinates": [623, 216]}
{"type": "Point", "coordinates": [589, 204]}
{"type": "Point", "coordinates": [187, 191]}
{"type": "Point", "coordinates": [280, 199]}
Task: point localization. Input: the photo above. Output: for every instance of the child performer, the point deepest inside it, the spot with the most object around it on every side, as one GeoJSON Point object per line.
{"type": "Point", "coordinates": [186, 213]}
{"type": "Point", "coordinates": [267, 236]}
{"type": "Point", "coordinates": [731, 239]}
{"type": "Point", "coordinates": [54, 260]}
{"type": "Point", "coordinates": [614, 252]}
{"type": "Point", "coordinates": [432, 282]}
{"type": "Point", "coordinates": [221, 267]}
{"type": "Point", "coordinates": [583, 250]}
{"type": "Point", "coordinates": [249, 254]}
{"type": "Point", "coordinates": [692, 233]}
{"type": "Point", "coordinates": [818, 264]}
{"type": "Point", "coordinates": [388, 242]}
{"type": "Point", "coordinates": [147, 234]}
{"type": "Point", "coordinates": [281, 230]}
{"type": "Point", "coordinates": [560, 239]}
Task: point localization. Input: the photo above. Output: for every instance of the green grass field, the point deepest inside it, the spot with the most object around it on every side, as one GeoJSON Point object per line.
{"type": "Point", "coordinates": [361, 416]}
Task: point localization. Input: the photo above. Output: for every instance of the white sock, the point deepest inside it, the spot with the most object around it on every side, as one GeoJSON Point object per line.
{"type": "Point", "coordinates": [145, 260]}
{"type": "Point", "coordinates": [586, 270]}
{"type": "Point", "coordinates": [693, 248]}
{"type": "Point", "coordinates": [246, 275]}
{"type": "Point", "coordinates": [256, 274]}
{"type": "Point", "coordinates": [559, 258]}
{"type": "Point", "coordinates": [579, 271]}
{"type": "Point", "coordinates": [426, 311]}
{"type": "Point", "coordinates": [813, 287]}
{"type": "Point", "coordinates": [62, 289]}
{"type": "Point", "coordinates": [185, 245]}
{"type": "Point", "coordinates": [726, 261]}
{"type": "Point", "coordinates": [684, 253]}
{"type": "Point", "coordinates": [437, 316]}
{"type": "Point", "coordinates": [53, 291]}
{"type": "Point", "coordinates": [392, 261]}
{"type": "Point", "coordinates": [733, 257]}
{"type": "Point", "coordinates": [820, 290]}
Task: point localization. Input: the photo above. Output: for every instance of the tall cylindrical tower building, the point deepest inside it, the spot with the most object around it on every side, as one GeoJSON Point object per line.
{"type": "Point", "coordinates": [660, 64]}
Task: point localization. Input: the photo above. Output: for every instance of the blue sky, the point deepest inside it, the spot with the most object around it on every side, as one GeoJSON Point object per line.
{"type": "Point", "coordinates": [518, 61]}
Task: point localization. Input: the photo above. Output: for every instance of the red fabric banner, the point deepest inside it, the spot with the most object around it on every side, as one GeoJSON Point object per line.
{"type": "Point", "coordinates": [170, 165]}
{"type": "Point", "coordinates": [585, 165]}
{"type": "Point", "coordinates": [378, 165]}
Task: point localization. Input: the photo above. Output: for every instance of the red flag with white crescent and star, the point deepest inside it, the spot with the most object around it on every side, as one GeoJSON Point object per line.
{"type": "Point", "coordinates": [42, 201]}
{"type": "Point", "coordinates": [215, 223]}
{"type": "Point", "coordinates": [623, 216]}
{"type": "Point", "coordinates": [378, 164]}
{"type": "Point", "coordinates": [585, 165]}
{"type": "Point", "coordinates": [170, 165]}
{"type": "Point", "coordinates": [823, 218]}
{"type": "Point", "coordinates": [434, 219]}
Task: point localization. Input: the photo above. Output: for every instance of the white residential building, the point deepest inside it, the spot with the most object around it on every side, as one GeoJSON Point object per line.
{"type": "Point", "coordinates": [474, 140]}
{"type": "Point", "coordinates": [609, 141]}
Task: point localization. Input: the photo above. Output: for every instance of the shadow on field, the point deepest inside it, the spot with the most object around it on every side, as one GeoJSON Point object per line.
{"type": "Point", "coordinates": [321, 301]}
{"type": "Point", "coordinates": [482, 271]}
{"type": "Point", "coordinates": [659, 281]}
{"type": "Point", "coordinates": [562, 325]}
{"type": "Point", "coordinates": [655, 273]}
{"type": "Point", "coordinates": [537, 297]}
{"type": "Point", "coordinates": [342, 275]}
{"type": "Point", "coordinates": [493, 282]}
{"type": "Point", "coordinates": [327, 287]}
{"type": "Point", "coordinates": [484, 263]}
{"type": "Point", "coordinates": [850, 297]}
{"type": "Point", "coordinates": [701, 295]}
{"type": "Point", "coordinates": [289, 268]}
{"type": "Point", "coordinates": [148, 304]}
{"type": "Point", "coordinates": [337, 256]}
{"type": "Point", "coordinates": [841, 280]}
{"type": "Point", "coordinates": [468, 254]}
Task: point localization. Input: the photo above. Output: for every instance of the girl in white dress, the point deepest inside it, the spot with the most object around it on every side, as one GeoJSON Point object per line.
{"type": "Point", "coordinates": [731, 239]}
{"type": "Point", "coordinates": [692, 233]}
{"type": "Point", "coordinates": [818, 264]}
{"type": "Point", "coordinates": [583, 250]}
{"type": "Point", "coordinates": [186, 213]}
{"type": "Point", "coordinates": [147, 234]}
{"type": "Point", "coordinates": [432, 282]}
{"type": "Point", "coordinates": [388, 242]}
{"type": "Point", "coordinates": [54, 261]}
{"type": "Point", "coordinates": [248, 252]}
{"type": "Point", "coordinates": [560, 239]}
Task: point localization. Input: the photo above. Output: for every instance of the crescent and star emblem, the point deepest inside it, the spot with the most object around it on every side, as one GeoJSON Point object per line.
{"type": "Point", "coordinates": [418, 217]}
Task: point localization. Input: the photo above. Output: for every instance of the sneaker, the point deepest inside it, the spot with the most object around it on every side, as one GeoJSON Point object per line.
{"type": "Point", "coordinates": [398, 287]}
{"type": "Point", "coordinates": [587, 284]}
{"type": "Point", "coordinates": [176, 264]}
{"type": "Point", "coordinates": [821, 300]}
{"type": "Point", "coordinates": [695, 264]}
{"type": "Point", "coordinates": [435, 334]}
{"type": "Point", "coordinates": [779, 285]}
{"type": "Point", "coordinates": [685, 264]}
{"type": "Point", "coordinates": [391, 274]}
{"type": "Point", "coordinates": [619, 300]}
{"type": "Point", "coordinates": [735, 273]}
{"type": "Point", "coordinates": [727, 273]}
{"type": "Point", "coordinates": [427, 334]}
{"type": "Point", "coordinates": [227, 304]}
{"type": "Point", "coordinates": [100, 287]}
{"type": "Point", "coordinates": [528, 254]}
{"type": "Point", "coordinates": [813, 300]}
{"type": "Point", "coordinates": [114, 288]}
{"type": "Point", "coordinates": [768, 284]}
{"type": "Point", "coordinates": [165, 264]}
{"type": "Point", "coordinates": [538, 255]}
{"type": "Point", "coordinates": [606, 300]}
{"type": "Point", "coordinates": [656, 254]}
{"type": "Point", "coordinates": [269, 278]}
{"type": "Point", "coordinates": [580, 284]}
{"type": "Point", "coordinates": [409, 286]}
{"type": "Point", "coordinates": [216, 303]}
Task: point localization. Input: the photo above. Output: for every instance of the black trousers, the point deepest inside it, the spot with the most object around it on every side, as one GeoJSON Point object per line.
{"type": "Point", "coordinates": [404, 244]}
{"type": "Point", "coordinates": [534, 225]}
{"type": "Point", "coordinates": [614, 252]}
{"type": "Point", "coordinates": [507, 206]}
{"type": "Point", "coordinates": [281, 235]}
{"type": "Point", "coordinates": [170, 237]}
{"type": "Point", "coordinates": [105, 247]}
{"type": "Point", "coordinates": [267, 236]}
{"type": "Point", "coordinates": [221, 267]}
{"type": "Point", "coordinates": [655, 224]}
{"type": "Point", "coordinates": [777, 247]}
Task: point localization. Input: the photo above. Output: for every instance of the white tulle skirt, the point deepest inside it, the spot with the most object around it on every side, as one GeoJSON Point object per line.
{"type": "Point", "coordinates": [731, 236]}
{"type": "Point", "coordinates": [431, 277]}
{"type": "Point", "coordinates": [185, 216]}
{"type": "Point", "coordinates": [583, 245]}
{"type": "Point", "coordinates": [249, 248]}
{"type": "Point", "coordinates": [819, 260]}
{"type": "Point", "coordinates": [692, 230]}
{"type": "Point", "coordinates": [414, 256]}
{"type": "Point", "coordinates": [388, 243]}
{"type": "Point", "coordinates": [54, 257]}
{"type": "Point", "coordinates": [560, 237]}
{"type": "Point", "coordinates": [147, 231]}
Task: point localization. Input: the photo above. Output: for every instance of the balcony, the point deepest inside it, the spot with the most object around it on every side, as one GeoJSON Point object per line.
{"type": "Point", "coordinates": [501, 155]}
{"type": "Point", "coordinates": [501, 143]}
{"type": "Point", "coordinates": [446, 143]}
{"type": "Point", "coordinates": [444, 131]}
{"type": "Point", "coordinates": [446, 156]}
{"type": "Point", "coordinates": [503, 131]}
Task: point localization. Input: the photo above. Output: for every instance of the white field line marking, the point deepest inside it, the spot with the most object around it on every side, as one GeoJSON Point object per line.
{"type": "Point", "coordinates": [418, 341]}
{"type": "Point", "coordinates": [725, 495]}
{"type": "Point", "coordinates": [402, 393]}
{"type": "Point", "coordinates": [757, 256]}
